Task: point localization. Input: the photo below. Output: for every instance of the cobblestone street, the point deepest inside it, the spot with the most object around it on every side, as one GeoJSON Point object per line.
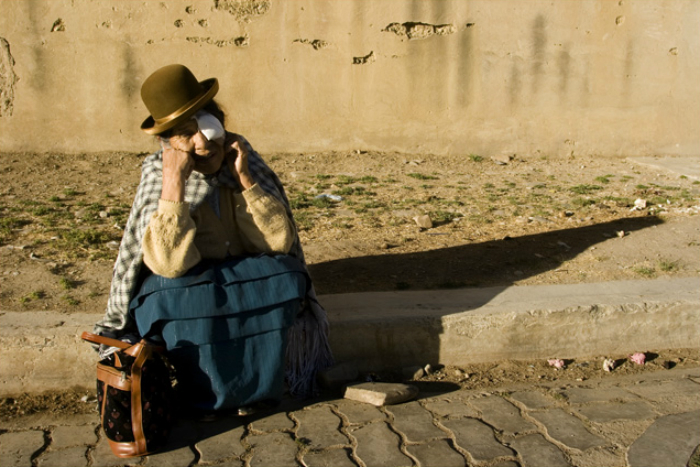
{"type": "Point", "coordinates": [643, 420]}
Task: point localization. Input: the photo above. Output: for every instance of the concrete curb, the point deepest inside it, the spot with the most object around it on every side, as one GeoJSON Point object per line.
{"type": "Point", "coordinates": [458, 327]}
{"type": "Point", "coordinates": [43, 351]}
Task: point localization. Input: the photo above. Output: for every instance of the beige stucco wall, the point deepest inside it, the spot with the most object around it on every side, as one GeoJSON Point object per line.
{"type": "Point", "coordinates": [614, 78]}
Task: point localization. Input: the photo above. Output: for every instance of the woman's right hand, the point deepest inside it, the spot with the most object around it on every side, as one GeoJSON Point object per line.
{"type": "Point", "coordinates": [177, 167]}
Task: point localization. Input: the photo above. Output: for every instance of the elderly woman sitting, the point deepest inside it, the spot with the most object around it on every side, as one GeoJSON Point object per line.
{"type": "Point", "coordinates": [210, 263]}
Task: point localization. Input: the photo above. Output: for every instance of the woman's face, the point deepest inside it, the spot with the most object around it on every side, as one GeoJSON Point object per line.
{"type": "Point", "coordinates": [207, 155]}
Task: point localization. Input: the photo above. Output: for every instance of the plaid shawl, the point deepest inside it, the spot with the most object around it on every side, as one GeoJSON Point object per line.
{"type": "Point", "coordinates": [308, 350]}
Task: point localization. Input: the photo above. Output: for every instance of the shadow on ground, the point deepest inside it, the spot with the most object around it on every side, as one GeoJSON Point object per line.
{"type": "Point", "coordinates": [187, 432]}
{"type": "Point", "coordinates": [492, 263]}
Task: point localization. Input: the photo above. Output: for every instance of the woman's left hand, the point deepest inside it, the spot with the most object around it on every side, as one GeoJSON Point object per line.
{"type": "Point", "coordinates": [240, 164]}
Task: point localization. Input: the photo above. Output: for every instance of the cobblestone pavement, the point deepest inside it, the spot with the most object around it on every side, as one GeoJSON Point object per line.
{"type": "Point", "coordinates": [651, 419]}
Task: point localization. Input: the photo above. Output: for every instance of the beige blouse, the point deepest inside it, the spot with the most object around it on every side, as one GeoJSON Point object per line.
{"type": "Point", "coordinates": [251, 222]}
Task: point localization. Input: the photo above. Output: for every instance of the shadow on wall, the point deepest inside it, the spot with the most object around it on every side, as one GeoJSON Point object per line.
{"type": "Point", "coordinates": [492, 263]}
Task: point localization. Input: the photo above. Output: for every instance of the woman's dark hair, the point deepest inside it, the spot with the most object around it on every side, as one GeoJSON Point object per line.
{"type": "Point", "coordinates": [212, 107]}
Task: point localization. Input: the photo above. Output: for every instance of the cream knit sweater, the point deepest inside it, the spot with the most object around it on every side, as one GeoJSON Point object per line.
{"type": "Point", "coordinates": [251, 222]}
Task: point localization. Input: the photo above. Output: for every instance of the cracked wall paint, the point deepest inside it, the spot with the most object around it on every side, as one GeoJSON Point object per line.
{"type": "Point", "coordinates": [243, 10]}
{"type": "Point", "coordinates": [317, 44]}
{"type": "Point", "coordinates": [420, 30]}
{"type": "Point", "coordinates": [241, 41]}
{"type": "Point", "coordinates": [369, 58]}
{"type": "Point", "coordinates": [8, 78]}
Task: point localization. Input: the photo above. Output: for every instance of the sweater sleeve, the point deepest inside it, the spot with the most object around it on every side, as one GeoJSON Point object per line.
{"type": "Point", "coordinates": [263, 221]}
{"type": "Point", "coordinates": [168, 244]}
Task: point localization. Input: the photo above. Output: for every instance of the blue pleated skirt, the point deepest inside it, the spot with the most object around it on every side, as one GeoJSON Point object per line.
{"type": "Point", "coordinates": [225, 327]}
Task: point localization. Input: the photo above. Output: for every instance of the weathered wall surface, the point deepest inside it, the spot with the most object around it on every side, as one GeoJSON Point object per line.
{"type": "Point", "coordinates": [614, 78]}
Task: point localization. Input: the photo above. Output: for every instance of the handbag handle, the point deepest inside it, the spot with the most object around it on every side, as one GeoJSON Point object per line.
{"type": "Point", "coordinates": [108, 341]}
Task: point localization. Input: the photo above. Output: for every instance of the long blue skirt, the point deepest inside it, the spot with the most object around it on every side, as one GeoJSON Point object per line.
{"type": "Point", "coordinates": [225, 327]}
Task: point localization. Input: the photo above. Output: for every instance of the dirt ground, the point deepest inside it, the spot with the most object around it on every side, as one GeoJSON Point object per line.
{"type": "Point", "coordinates": [398, 222]}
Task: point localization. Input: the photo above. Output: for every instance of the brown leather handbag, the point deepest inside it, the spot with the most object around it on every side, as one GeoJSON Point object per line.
{"type": "Point", "coordinates": [135, 396]}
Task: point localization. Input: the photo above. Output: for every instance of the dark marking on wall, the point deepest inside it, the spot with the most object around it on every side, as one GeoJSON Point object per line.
{"type": "Point", "coordinates": [8, 78]}
{"type": "Point", "coordinates": [369, 58]}
{"type": "Point", "coordinates": [515, 84]}
{"type": "Point", "coordinates": [241, 41]}
{"type": "Point", "coordinates": [628, 74]}
{"type": "Point", "coordinates": [58, 26]}
{"type": "Point", "coordinates": [317, 44]}
{"type": "Point", "coordinates": [564, 63]}
{"type": "Point", "coordinates": [420, 30]}
{"type": "Point", "coordinates": [243, 10]}
{"type": "Point", "coordinates": [539, 44]}
{"type": "Point", "coordinates": [466, 69]}
{"type": "Point", "coordinates": [130, 84]}
{"type": "Point", "coordinates": [37, 77]}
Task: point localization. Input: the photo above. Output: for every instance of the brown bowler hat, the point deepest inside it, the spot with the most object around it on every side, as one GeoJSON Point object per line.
{"type": "Point", "coordinates": [172, 95]}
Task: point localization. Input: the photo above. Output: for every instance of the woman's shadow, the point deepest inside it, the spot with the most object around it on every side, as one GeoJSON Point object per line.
{"type": "Point", "coordinates": [491, 263]}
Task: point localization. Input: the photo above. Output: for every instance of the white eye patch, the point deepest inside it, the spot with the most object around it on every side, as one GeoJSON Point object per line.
{"type": "Point", "coordinates": [209, 125]}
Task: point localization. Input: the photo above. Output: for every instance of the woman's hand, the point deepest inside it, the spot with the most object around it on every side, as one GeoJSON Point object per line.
{"type": "Point", "coordinates": [177, 167]}
{"type": "Point", "coordinates": [240, 164]}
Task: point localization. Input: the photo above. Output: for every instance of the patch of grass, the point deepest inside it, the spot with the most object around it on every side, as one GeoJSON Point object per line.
{"type": "Point", "coordinates": [419, 176]}
{"type": "Point", "coordinates": [603, 179]}
{"type": "Point", "coordinates": [41, 211]}
{"type": "Point", "coordinates": [373, 205]}
{"type": "Point", "coordinates": [66, 284]}
{"type": "Point", "coordinates": [475, 158]}
{"type": "Point", "coordinates": [322, 203]}
{"type": "Point", "coordinates": [620, 202]}
{"type": "Point", "coordinates": [668, 266]}
{"type": "Point", "coordinates": [70, 300]}
{"type": "Point", "coordinates": [345, 191]}
{"type": "Point", "coordinates": [345, 180]}
{"type": "Point", "coordinates": [368, 179]}
{"type": "Point", "coordinates": [582, 202]}
{"type": "Point", "coordinates": [442, 217]}
{"type": "Point", "coordinates": [7, 224]}
{"type": "Point", "coordinates": [645, 271]}
{"type": "Point", "coordinates": [33, 296]}
{"type": "Point", "coordinates": [83, 238]}
{"type": "Point", "coordinates": [585, 189]}
{"type": "Point", "coordinates": [658, 200]}
{"type": "Point", "coordinates": [299, 201]}
{"type": "Point", "coordinates": [70, 192]}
